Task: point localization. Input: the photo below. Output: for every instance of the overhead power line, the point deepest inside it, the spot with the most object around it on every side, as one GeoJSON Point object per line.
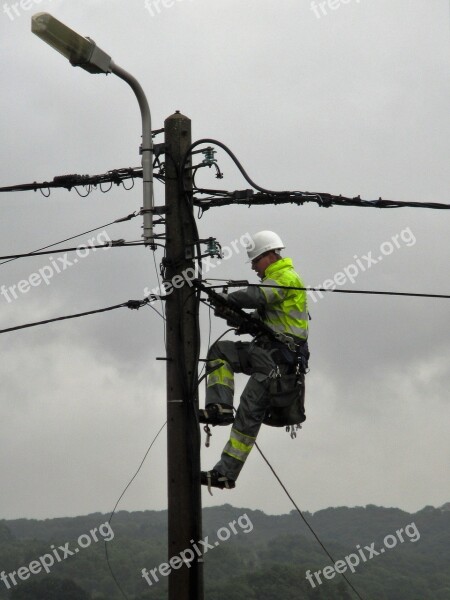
{"type": "Point", "coordinates": [324, 200]}
{"type": "Point", "coordinates": [116, 581]}
{"type": "Point", "coordinates": [265, 196]}
{"type": "Point", "coordinates": [215, 198]}
{"type": "Point", "coordinates": [74, 181]}
{"type": "Point", "coordinates": [132, 304]}
{"type": "Point", "coordinates": [313, 289]}
{"type": "Point", "coordinates": [111, 244]}
{"type": "Point", "coordinates": [322, 545]}
{"type": "Point", "coordinates": [120, 220]}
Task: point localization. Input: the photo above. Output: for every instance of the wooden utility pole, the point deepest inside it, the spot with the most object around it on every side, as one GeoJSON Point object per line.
{"type": "Point", "coordinates": [183, 340]}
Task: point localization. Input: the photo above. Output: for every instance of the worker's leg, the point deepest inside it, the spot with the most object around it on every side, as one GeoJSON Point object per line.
{"type": "Point", "coordinates": [223, 362]}
{"type": "Point", "coordinates": [249, 416]}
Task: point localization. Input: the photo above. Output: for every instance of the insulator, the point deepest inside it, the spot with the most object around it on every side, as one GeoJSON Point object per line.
{"type": "Point", "coordinates": [209, 156]}
{"type": "Point", "coordinates": [212, 248]}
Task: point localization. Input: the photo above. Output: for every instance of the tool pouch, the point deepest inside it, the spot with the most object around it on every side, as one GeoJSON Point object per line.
{"type": "Point", "coordinates": [283, 390]}
{"type": "Point", "coordinates": [287, 401]}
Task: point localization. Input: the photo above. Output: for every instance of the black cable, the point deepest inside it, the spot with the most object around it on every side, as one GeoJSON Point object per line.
{"type": "Point", "coordinates": [163, 315]}
{"type": "Point", "coordinates": [307, 289]}
{"type": "Point", "coordinates": [158, 313]}
{"type": "Point", "coordinates": [117, 504]}
{"type": "Point", "coordinates": [112, 244]}
{"type": "Point", "coordinates": [180, 176]}
{"type": "Point", "coordinates": [132, 304]}
{"type": "Point", "coordinates": [135, 475]}
{"type": "Point", "coordinates": [236, 162]}
{"type": "Point", "coordinates": [248, 198]}
{"type": "Point", "coordinates": [218, 339]}
{"type": "Point", "coordinates": [115, 176]}
{"type": "Point", "coordinates": [209, 342]}
{"type": "Point", "coordinates": [278, 197]}
{"type": "Point", "coordinates": [120, 220]}
{"type": "Point", "coordinates": [305, 521]}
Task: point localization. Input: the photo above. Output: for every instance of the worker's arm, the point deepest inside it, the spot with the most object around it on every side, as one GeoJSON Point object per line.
{"type": "Point", "coordinates": [258, 297]}
{"type": "Point", "coordinates": [251, 297]}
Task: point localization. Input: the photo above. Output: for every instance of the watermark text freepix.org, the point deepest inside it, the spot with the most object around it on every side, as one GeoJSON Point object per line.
{"type": "Point", "coordinates": [47, 561]}
{"type": "Point", "coordinates": [365, 262]}
{"type": "Point", "coordinates": [56, 266]}
{"type": "Point", "coordinates": [351, 561]}
{"type": "Point", "coordinates": [186, 557]}
{"type": "Point", "coordinates": [320, 7]}
{"type": "Point", "coordinates": [155, 7]}
{"type": "Point", "coordinates": [13, 9]}
{"type": "Point", "coordinates": [188, 275]}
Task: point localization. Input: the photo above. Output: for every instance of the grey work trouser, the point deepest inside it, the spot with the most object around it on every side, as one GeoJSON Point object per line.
{"type": "Point", "coordinates": [225, 360]}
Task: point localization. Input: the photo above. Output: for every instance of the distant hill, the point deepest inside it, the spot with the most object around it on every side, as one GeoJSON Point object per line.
{"type": "Point", "coordinates": [401, 556]}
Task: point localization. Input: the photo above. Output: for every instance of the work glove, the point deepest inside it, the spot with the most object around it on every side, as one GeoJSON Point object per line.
{"type": "Point", "coordinates": [220, 309]}
{"type": "Point", "coordinates": [226, 312]}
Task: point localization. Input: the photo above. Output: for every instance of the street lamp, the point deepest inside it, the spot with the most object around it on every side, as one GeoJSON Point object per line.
{"type": "Point", "coordinates": [83, 52]}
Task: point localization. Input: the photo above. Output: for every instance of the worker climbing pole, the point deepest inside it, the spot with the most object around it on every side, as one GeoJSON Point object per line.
{"type": "Point", "coordinates": [276, 359]}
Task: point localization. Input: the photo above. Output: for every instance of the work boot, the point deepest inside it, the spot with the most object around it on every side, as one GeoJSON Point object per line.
{"type": "Point", "coordinates": [215, 479]}
{"type": "Point", "coordinates": [216, 414]}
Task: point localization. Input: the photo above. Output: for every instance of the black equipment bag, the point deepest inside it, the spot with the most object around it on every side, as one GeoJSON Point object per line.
{"type": "Point", "coordinates": [287, 396]}
{"type": "Point", "coordinates": [287, 391]}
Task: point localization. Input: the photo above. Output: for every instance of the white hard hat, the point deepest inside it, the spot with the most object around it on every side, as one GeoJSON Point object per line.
{"type": "Point", "coordinates": [263, 241]}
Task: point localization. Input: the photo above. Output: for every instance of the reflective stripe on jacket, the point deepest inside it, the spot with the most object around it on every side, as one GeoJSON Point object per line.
{"type": "Point", "coordinates": [284, 310]}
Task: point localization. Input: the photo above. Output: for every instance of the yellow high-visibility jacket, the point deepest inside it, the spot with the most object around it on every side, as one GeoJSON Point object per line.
{"type": "Point", "coordinates": [283, 310]}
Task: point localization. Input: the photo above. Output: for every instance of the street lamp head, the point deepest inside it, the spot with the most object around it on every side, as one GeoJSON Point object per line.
{"type": "Point", "coordinates": [80, 51]}
{"type": "Point", "coordinates": [83, 52]}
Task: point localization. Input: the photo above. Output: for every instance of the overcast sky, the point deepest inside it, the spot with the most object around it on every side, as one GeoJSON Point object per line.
{"type": "Point", "coordinates": [348, 100]}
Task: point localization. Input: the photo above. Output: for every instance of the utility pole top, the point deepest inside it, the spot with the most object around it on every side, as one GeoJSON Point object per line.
{"type": "Point", "coordinates": [178, 115]}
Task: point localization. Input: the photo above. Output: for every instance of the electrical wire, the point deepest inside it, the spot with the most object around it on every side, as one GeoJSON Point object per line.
{"type": "Point", "coordinates": [180, 177]}
{"type": "Point", "coordinates": [209, 342]}
{"type": "Point", "coordinates": [163, 309]}
{"type": "Point", "coordinates": [313, 289]}
{"type": "Point", "coordinates": [117, 504]}
{"type": "Point", "coordinates": [306, 521]}
{"type": "Point", "coordinates": [120, 220]}
{"type": "Point", "coordinates": [218, 339]}
{"type": "Point", "coordinates": [279, 197]}
{"type": "Point", "coordinates": [159, 315]}
{"type": "Point", "coordinates": [217, 197]}
{"type": "Point", "coordinates": [231, 284]}
{"type": "Point", "coordinates": [115, 176]}
{"type": "Point", "coordinates": [236, 162]}
{"type": "Point", "coordinates": [132, 304]}
{"type": "Point", "coordinates": [112, 244]}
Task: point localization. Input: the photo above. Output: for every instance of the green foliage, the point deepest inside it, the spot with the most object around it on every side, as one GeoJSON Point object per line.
{"type": "Point", "coordinates": [49, 588]}
{"type": "Point", "coordinates": [268, 562]}
{"type": "Point", "coordinates": [5, 533]}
